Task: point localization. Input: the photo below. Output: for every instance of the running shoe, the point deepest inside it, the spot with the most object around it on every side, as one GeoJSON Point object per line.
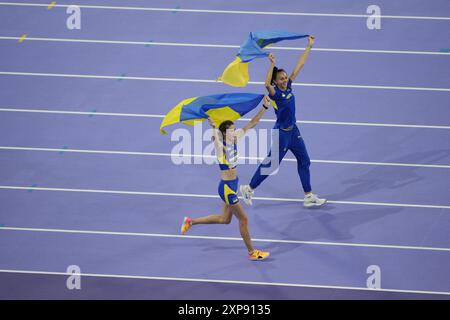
{"type": "Point", "coordinates": [187, 223]}
{"type": "Point", "coordinates": [258, 255]}
{"type": "Point", "coordinates": [247, 194]}
{"type": "Point", "coordinates": [312, 200]}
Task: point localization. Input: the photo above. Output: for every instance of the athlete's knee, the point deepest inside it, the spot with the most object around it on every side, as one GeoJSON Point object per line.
{"type": "Point", "coordinates": [304, 162]}
{"type": "Point", "coordinates": [225, 220]}
{"type": "Point", "coordinates": [243, 221]}
{"type": "Point", "coordinates": [307, 163]}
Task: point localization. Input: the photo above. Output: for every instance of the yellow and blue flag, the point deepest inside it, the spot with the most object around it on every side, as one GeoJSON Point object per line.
{"type": "Point", "coordinates": [220, 107]}
{"type": "Point", "coordinates": [236, 73]}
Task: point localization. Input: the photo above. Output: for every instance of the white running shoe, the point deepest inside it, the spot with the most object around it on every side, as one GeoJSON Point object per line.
{"type": "Point", "coordinates": [313, 201]}
{"type": "Point", "coordinates": [247, 194]}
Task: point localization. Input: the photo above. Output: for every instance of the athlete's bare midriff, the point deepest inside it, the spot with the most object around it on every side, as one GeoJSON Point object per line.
{"type": "Point", "coordinates": [230, 174]}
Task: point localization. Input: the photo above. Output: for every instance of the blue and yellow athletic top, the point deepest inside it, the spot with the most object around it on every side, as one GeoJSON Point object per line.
{"type": "Point", "coordinates": [284, 104]}
{"type": "Point", "coordinates": [229, 157]}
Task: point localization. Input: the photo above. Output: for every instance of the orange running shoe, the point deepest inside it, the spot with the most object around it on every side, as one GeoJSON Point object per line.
{"type": "Point", "coordinates": [186, 225]}
{"type": "Point", "coordinates": [257, 255]}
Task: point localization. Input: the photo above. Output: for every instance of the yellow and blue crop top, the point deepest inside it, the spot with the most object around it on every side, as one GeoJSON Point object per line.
{"type": "Point", "coordinates": [229, 158]}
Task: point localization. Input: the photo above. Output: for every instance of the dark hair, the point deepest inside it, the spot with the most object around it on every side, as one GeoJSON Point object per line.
{"type": "Point", "coordinates": [223, 130]}
{"type": "Point", "coordinates": [224, 126]}
{"type": "Point", "coordinates": [275, 73]}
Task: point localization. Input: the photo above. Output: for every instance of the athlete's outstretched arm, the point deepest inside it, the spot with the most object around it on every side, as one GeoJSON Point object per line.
{"type": "Point", "coordinates": [268, 82]}
{"type": "Point", "coordinates": [254, 121]}
{"type": "Point", "coordinates": [301, 61]}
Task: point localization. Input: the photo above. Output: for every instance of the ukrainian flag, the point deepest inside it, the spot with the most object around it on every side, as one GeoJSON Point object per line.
{"type": "Point", "coordinates": [236, 73]}
{"type": "Point", "coordinates": [220, 107]}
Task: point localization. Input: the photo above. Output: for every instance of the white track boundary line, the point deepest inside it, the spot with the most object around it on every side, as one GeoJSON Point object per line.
{"type": "Point", "coordinates": [204, 45]}
{"type": "Point", "coordinates": [142, 115]}
{"type": "Point", "coordinates": [281, 284]}
{"type": "Point", "coordinates": [326, 85]}
{"type": "Point", "coordinates": [177, 236]}
{"type": "Point", "coordinates": [190, 155]}
{"type": "Point", "coordinates": [210, 196]}
{"type": "Point", "coordinates": [276, 13]}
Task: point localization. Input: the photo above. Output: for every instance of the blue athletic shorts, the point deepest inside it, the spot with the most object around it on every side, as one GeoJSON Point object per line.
{"type": "Point", "coordinates": [228, 191]}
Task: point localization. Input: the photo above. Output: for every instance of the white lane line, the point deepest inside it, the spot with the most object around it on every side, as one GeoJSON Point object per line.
{"type": "Point", "coordinates": [190, 155]}
{"type": "Point", "coordinates": [142, 115]}
{"type": "Point", "coordinates": [87, 113]}
{"type": "Point", "coordinates": [204, 45]}
{"type": "Point", "coordinates": [161, 235]}
{"type": "Point", "coordinates": [281, 284]}
{"type": "Point", "coordinates": [270, 13]}
{"type": "Point", "coordinates": [394, 164]}
{"type": "Point", "coordinates": [372, 124]}
{"type": "Point", "coordinates": [326, 85]}
{"type": "Point", "coordinates": [211, 196]}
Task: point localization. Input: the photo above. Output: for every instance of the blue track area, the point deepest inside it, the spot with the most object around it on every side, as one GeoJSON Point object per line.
{"type": "Point", "coordinates": [86, 178]}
